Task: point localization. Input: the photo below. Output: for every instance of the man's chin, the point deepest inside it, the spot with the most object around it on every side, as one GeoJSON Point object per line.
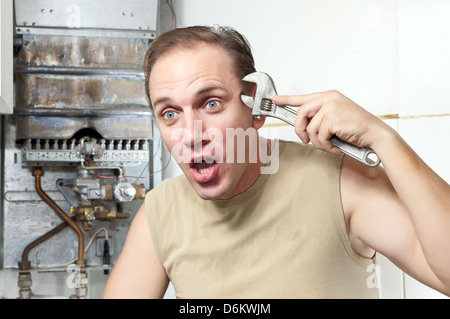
{"type": "Point", "coordinates": [208, 193]}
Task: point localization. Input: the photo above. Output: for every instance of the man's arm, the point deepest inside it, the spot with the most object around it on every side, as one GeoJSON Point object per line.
{"type": "Point", "coordinates": [378, 220]}
{"type": "Point", "coordinates": [403, 210]}
{"type": "Point", "coordinates": [138, 272]}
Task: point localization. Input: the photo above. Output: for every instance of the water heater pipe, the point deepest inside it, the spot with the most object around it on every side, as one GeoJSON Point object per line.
{"type": "Point", "coordinates": [37, 173]}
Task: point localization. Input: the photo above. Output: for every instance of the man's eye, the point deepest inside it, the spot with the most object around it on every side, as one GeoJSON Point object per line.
{"type": "Point", "coordinates": [169, 115]}
{"type": "Point", "coordinates": [212, 104]}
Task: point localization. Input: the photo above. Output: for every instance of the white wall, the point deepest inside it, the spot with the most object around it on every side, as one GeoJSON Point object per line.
{"type": "Point", "coordinates": [389, 56]}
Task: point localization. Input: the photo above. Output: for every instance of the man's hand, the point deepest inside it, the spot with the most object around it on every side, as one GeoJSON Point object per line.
{"type": "Point", "coordinates": [322, 115]}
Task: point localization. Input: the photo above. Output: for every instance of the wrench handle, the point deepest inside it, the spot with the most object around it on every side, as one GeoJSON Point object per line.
{"type": "Point", "coordinates": [363, 154]}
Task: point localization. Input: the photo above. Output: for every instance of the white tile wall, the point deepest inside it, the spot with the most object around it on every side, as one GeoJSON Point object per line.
{"type": "Point", "coordinates": [391, 281]}
{"type": "Point", "coordinates": [424, 50]}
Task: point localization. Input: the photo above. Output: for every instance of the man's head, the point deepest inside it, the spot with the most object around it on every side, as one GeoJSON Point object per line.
{"type": "Point", "coordinates": [194, 82]}
{"type": "Point", "coordinates": [234, 43]}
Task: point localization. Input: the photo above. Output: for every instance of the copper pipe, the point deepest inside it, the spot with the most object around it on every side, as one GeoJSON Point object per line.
{"type": "Point", "coordinates": [38, 172]}
{"type": "Point", "coordinates": [24, 264]}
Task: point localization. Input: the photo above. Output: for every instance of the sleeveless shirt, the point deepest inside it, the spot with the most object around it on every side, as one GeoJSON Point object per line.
{"type": "Point", "coordinates": [284, 237]}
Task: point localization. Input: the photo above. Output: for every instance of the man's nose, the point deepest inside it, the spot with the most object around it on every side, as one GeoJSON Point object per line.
{"type": "Point", "coordinates": [194, 131]}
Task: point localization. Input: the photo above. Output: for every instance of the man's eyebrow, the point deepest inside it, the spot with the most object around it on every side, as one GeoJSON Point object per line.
{"type": "Point", "coordinates": [203, 91]}
{"type": "Point", "coordinates": [160, 100]}
{"type": "Point", "coordinates": [210, 88]}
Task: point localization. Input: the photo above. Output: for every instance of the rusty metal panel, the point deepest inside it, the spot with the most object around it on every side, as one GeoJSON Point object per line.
{"type": "Point", "coordinates": [110, 124]}
{"type": "Point", "coordinates": [66, 84]}
{"type": "Point", "coordinates": [87, 91]}
{"type": "Point", "coordinates": [135, 17]}
{"type": "Point", "coordinates": [94, 52]}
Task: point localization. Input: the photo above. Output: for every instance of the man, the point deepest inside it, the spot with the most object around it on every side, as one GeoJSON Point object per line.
{"type": "Point", "coordinates": [309, 230]}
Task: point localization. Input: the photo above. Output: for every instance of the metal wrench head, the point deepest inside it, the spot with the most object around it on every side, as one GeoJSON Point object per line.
{"type": "Point", "coordinates": [265, 89]}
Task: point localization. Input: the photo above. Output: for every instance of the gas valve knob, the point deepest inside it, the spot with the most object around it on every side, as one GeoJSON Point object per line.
{"type": "Point", "coordinates": [124, 192]}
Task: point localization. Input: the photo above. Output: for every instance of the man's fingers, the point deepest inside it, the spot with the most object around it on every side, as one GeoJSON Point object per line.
{"type": "Point", "coordinates": [324, 136]}
{"type": "Point", "coordinates": [313, 130]}
{"type": "Point", "coordinates": [296, 100]}
{"type": "Point", "coordinates": [305, 114]}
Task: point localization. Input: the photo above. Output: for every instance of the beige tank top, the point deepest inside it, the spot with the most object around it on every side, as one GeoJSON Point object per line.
{"type": "Point", "coordinates": [285, 237]}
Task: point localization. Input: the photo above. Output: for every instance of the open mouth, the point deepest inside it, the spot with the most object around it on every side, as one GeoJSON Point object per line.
{"type": "Point", "coordinates": [204, 170]}
{"type": "Point", "coordinates": [202, 167]}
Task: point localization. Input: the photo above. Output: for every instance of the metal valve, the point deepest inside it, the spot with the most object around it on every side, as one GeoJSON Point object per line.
{"type": "Point", "coordinates": [88, 213]}
{"type": "Point", "coordinates": [124, 192]}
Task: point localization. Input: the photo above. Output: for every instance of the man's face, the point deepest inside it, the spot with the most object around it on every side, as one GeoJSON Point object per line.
{"type": "Point", "coordinates": [196, 96]}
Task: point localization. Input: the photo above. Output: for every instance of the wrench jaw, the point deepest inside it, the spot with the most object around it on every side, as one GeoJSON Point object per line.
{"type": "Point", "coordinates": [261, 104]}
{"type": "Point", "coordinates": [247, 100]}
{"type": "Point", "coordinates": [257, 110]}
{"type": "Point", "coordinates": [250, 102]}
{"type": "Point", "coordinates": [256, 77]}
{"type": "Point", "coordinates": [265, 87]}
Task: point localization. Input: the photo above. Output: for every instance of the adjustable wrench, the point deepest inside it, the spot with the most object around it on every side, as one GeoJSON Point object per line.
{"type": "Point", "coordinates": [262, 105]}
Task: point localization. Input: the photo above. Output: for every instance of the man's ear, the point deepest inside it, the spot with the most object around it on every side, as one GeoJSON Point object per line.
{"type": "Point", "coordinates": [258, 122]}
